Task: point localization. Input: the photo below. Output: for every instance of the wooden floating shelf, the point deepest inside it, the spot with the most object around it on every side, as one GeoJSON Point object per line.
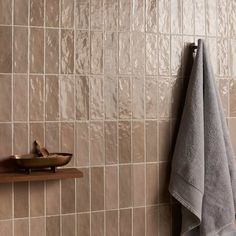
{"type": "Point", "coordinates": [61, 173]}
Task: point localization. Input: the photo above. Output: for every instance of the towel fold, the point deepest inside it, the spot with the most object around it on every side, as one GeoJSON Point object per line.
{"type": "Point", "coordinates": [203, 174]}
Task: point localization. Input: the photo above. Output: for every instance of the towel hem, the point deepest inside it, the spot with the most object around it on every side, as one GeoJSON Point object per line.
{"type": "Point", "coordinates": [186, 193]}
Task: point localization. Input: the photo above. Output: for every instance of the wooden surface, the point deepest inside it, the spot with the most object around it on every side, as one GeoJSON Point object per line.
{"type": "Point", "coordinates": [62, 173]}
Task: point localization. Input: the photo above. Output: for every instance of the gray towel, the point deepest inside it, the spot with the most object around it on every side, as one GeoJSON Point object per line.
{"type": "Point", "coordinates": [203, 175]}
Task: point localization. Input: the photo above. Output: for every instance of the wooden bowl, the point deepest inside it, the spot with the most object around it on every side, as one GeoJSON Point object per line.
{"type": "Point", "coordinates": [34, 161]}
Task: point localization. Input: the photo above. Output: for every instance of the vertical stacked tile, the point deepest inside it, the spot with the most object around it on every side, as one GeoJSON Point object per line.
{"type": "Point", "coordinates": [103, 79]}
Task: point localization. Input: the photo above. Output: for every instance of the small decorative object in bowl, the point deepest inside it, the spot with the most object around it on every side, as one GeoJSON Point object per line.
{"type": "Point", "coordinates": [41, 159]}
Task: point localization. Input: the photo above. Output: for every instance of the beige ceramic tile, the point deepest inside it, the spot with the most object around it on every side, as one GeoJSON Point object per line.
{"type": "Point", "coordinates": [20, 139]}
{"type": "Point", "coordinates": [67, 196]}
{"type": "Point", "coordinates": [83, 224]}
{"type": "Point", "coordinates": [82, 98]}
{"type": "Point", "coordinates": [124, 94]}
{"type": "Point", "coordinates": [37, 12]}
{"type": "Point", "coordinates": [97, 223]}
{"type": "Point", "coordinates": [97, 188]}
{"type": "Point", "coordinates": [110, 142]}
{"type": "Point", "coordinates": [151, 97]}
{"type": "Point", "coordinates": [164, 141]}
{"type": "Point", "coordinates": [125, 186]}
{"type": "Point", "coordinates": [232, 130]}
{"type": "Point", "coordinates": [20, 98]}
{"type": "Point", "coordinates": [6, 228]}
{"type": "Point", "coordinates": [21, 227]}
{"type": "Point", "coordinates": [125, 220]}
{"type": "Point", "coordinates": [232, 100]}
{"type": "Point", "coordinates": [112, 223]}
{"type": "Point", "coordinates": [52, 197]}
{"type": "Point", "coordinates": [151, 16]}
{"type": "Point", "coordinates": [5, 140]}
{"type": "Point", "coordinates": [5, 49]}
{"type": "Point", "coordinates": [138, 185]}
{"type": "Point", "coordinates": [124, 129]}
{"type": "Point", "coordinates": [68, 225]}
{"type": "Point", "coordinates": [53, 226]}
{"type": "Point", "coordinates": [52, 137]}
{"type": "Point", "coordinates": [138, 53]}
{"type": "Point", "coordinates": [52, 13]}
{"type": "Point", "coordinates": [51, 97]}
{"type": "Point", "coordinates": [82, 144]}
{"type": "Point", "coordinates": [52, 51]}
{"type": "Point", "coordinates": [138, 98]}
{"type": "Point", "coordinates": [152, 141]}
{"type": "Point", "coordinates": [97, 143]}
{"type": "Point", "coordinates": [66, 105]}
{"type": "Point", "coordinates": [165, 220]}
{"type": "Point", "coordinates": [110, 15]}
{"type": "Point", "coordinates": [82, 14]}
{"type": "Point", "coordinates": [37, 226]}
{"type": "Point", "coordinates": [137, 141]}
{"type": "Point", "coordinates": [37, 200]}
{"type": "Point", "coordinates": [5, 97]}
{"type": "Point", "coordinates": [96, 14]}
{"type": "Point", "coordinates": [110, 51]}
{"type": "Point", "coordinates": [110, 97]}
{"type": "Point", "coordinates": [151, 52]}
{"type": "Point", "coordinates": [36, 97]}
{"type": "Point", "coordinates": [6, 208]}
{"type": "Point", "coordinates": [111, 187]}
{"type": "Point", "coordinates": [139, 221]}
{"type": "Point", "coordinates": [124, 14]}
{"type": "Point", "coordinates": [222, 21]}
{"type": "Point", "coordinates": [21, 12]}
{"type": "Point", "coordinates": [83, 192]}
{"type": "Point", "coordinates": [96, 52]}
{"type": "Point", "coordinates": [36, 50]}
{"type": "Point", "coordinates": [152, 183]}
{"type": "Point", "coordinates": [67, 13]}
{"type": "Point", "coordinates": [152, 221]}
{"type": "Point", "coordinates": [67, 51]}
{"type": "Point", "coordinates": [224, 90]}
{"type": "Point", "coordinates": [124, 53]}
{"type": "Point", "coordinates": [82, 50]}
{"type": "Point", "coordinates": [20, 50]}
{"type": "Point", "coordinates": [21, 200]}
{"type": "Point", "coordinates": [5, 12]}
{"type": "Point", "coordinates": [96, 97]}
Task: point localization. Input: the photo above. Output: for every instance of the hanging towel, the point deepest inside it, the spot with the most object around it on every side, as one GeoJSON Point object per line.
{"type": "Point", "coordinates": [203, 174]}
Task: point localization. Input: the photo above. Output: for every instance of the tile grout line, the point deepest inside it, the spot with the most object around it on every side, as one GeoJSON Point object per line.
{"type": "Point", "coordinates": [145, 115]}
{"type": "Point", "coordinates": [89, 122]}
{"type": "Point", "coordinates": [44, 105]}
{"type": "Point", "coordinates": [117, 121]}
{"type": "Point", "coordinates": [59, 94]}
{"type": "Point", "coordinates": [12, 115]}
{"type": "Point", "coordinates": [169, 113]}
{"type": "Point", "coordinates": [28, 91]}
{"type": "Point", "coordinates": [75, 157]}
{"type": "Point", "coordinates": [104, 115]}
{"type": "Point", "coordinates": [130, 165]}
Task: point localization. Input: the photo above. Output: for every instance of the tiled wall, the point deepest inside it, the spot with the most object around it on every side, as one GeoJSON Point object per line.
{"type": "Point", "coordinates": [102, 79]}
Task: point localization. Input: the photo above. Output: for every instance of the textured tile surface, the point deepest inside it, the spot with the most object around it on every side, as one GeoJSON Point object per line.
{"type": "Point", "coordinates": [103, 79]}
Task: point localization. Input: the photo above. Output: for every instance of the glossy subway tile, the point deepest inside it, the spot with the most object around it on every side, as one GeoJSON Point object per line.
{"type": "Point", "coordinates": [103, 79]}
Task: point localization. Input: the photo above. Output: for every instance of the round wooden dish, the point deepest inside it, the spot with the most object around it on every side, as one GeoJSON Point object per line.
{"type": "Point", "coordinates": [34, 161]}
